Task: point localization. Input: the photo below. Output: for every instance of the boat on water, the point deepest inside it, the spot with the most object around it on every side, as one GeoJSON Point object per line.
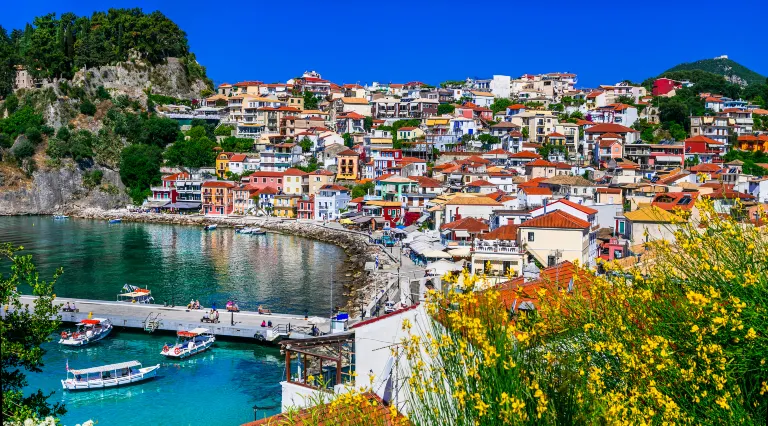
{"type": "Point", "coordinates": [189, 343]}
{"type": "Point", "coordinates": [210, 227]}
{"type": "Point", "coordinates": [87, 331]}
{"type": "Point", "coordinates": [135, 294]}
{"type": "Point", "coordinates": [258, 231]}
{"type": "Point", "coordinates": [244, 230]}
{"type": "Point", "coordinates": [107, 376]}
{"type": "Point", "coordinates": [60, 217]}
{"type": "Point", "coordinates": [118, 220]}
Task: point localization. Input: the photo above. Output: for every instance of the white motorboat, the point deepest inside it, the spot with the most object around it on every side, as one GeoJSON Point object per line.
{"type": "Point", "coordinates": [117, 220]}
{"type": "Point", "coordinates": [88, 331]}
{"type": "Point", "coordinates": [210, 227]}
{"type": "Point", "coordinates": [107, 376]}
{"type": "Point", "coordinates": [135, 294]}
{"type": "Point", "coordinates": [60, 217]}
{"type": "Point", "coordinates": [189, 343]}
{"type": "Point", "coordinates": [258, 231]}
{"type": "Point", "coordinates": [244, 230]}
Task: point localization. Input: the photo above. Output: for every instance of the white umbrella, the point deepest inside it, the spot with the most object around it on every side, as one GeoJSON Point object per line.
{"type": "Point", "coordinates": [441, 267]}
{"type": "Point", "coordinates": [459, 252]}
{"type": "Point", "coordinates": [436, 254]}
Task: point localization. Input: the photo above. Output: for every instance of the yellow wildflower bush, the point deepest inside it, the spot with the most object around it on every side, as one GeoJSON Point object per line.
{"type": "Point", "coordinates": [679, 338]}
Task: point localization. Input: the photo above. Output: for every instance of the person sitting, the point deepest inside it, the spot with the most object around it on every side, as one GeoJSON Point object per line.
{"type": "Point", "coordinates": [205, 316]}
{"type": "Point", "coordinates": [67, 309]}
{"type": "Point", "coordinates": [216, 319]}
{"type": "Point", "coordinates": [261, 310]}
{"type": "Point", "coordinates": [191, 304]}
{"type": "Point", "coordinates": [197, 304]}
{"type": "Point", "coordinates": [229, 304]}
{"type": "Point", "coordinates": [263, 323]}
{"type": "Point", "coordinates": [74, 308]}
{"type": "Point", "coordinates": [269, 323]}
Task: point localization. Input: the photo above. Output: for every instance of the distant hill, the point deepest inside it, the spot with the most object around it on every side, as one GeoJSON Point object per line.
{"type": "Point", "coordinates": [731, 70]}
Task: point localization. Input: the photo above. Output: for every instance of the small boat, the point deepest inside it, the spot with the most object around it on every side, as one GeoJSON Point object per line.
{"type": "Point", "coordinates": [60, 217]}
{"type": "Point", "coordinates": [88, 331]}
{"type": "Point", "coordinates": [210, 227]}
{"type": "Point", "coordinates": [189, 343]}
{"type": "Point", "coordinates": [118, 220]}
{"type": "Point", "coordinates": [107, 376]}
{"type": "Point", "coordinates": [244, 230]}
{"type": "Point", "coordinates": [135, 294]}
{"type": "Point", "coordinates": [258, 231]}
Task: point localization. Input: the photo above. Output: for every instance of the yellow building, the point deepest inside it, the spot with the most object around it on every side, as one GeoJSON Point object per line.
{"type": "Point", "coordinates": [285, 205]}
{"type": "Point", "coordinates": [347, 165]}
{"type": "Point", "coordinates": [222, 164]}
{"type": "Point", "coordinates": [320, 178]}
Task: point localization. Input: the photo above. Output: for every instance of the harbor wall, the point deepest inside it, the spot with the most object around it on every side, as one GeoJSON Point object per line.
{"type": "Point", "coordinates": [361, 288]}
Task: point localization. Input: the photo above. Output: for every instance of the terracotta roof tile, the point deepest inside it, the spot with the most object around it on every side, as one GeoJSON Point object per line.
{"type": "Point", "coordinates": [557, 219]}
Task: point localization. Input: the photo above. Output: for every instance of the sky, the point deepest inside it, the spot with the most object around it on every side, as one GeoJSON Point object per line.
{"type": "Point", "coordinates": [396, 41]}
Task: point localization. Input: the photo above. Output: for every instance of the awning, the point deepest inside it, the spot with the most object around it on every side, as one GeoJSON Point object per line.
{"type": "Point", "coordinates": [154, 204]}
{"type": "Point", "coordinates": [436, 254]}
{"type": "Point", "coordinates": [422, 219]}
{"type": "Point", "coordinates": [461, 234]}
{"type": "Point", "coordinates": [441, 267]}
{"type": "Point", "coordinates": [669, 158]}
{"type": "Point", "coordinates": [183, 205]}
{"type": "Point", "coordinates": [459, 252]}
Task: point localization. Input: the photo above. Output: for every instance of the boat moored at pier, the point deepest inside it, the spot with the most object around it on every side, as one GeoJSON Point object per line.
{"type": "Point", "coordinates": [88, 331]}
{"type": "Point", "coordinates": [135, 294]}
{"type": "Point", "coordinates": [107, 376]}
{"type": "Point", "coordinates": [189, 343]}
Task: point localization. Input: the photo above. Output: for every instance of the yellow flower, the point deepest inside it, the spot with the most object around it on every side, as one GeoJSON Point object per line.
{"type": "Point", "coordinates": [751, 334]}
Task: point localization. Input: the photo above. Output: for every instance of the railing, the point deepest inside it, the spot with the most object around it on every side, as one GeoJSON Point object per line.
{"type": "Point", "coordinates": [499, 249]}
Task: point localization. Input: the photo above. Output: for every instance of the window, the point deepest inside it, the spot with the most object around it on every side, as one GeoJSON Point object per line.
{"type": "Point", "coordinates": [550, 260]}
{"type": "Point", "coordinates": [530, 236]}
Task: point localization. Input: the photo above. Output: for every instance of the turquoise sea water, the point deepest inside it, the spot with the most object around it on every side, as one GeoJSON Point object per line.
{"type": "Point", "coordinates": [219, 386]}
{"type": "Point", "coordinates": [285, 273]}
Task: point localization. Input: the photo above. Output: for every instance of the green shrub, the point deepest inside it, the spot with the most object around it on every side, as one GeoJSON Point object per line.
{"type": "Point", "coordinates": [93, 178]}
{"type": "Point", "coordinates": [34, 135]}
{"type": "Point", "coordinates": [102, 93]}
{"type": "Point", "coordinates": [11, 104]}
{"type": "Point", "coordinates": [23, 149]}
{"type": "Point", "coordinates": [87, 107]}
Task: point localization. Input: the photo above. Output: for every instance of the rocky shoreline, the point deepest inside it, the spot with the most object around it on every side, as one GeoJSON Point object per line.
{"type": "Point", "coordinates": [361, 287]}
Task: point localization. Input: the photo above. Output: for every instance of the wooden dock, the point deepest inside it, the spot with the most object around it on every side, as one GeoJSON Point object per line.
{"type": "Point", "coordinates": [247, 325]}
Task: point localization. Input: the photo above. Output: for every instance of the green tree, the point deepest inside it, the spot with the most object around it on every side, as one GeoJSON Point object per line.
{"type": "Point", "coordinates": [445, 109]}
{"type": "Point", "coordinates": [368, 123]}
{"type": "Point", "coordinates": [361, 190]}
{"type": "Point", "coordinates": [311, 165]}
{"type": "Point", "coordinates": [23, 332]}
{"type": "Point", "coordinates": [22, 149]}
{"type": "Point", "coordinates": [310, 100]}
{"type": "Point", "coordinates": [500, 104]}
{"type": "Point", "coordinates": [348, 140]}
{"type": "Point", "coordinates": [139, 169]}
{"type": "Point", "coordinates": [11, 104]}
{"type": "Point", "coordinates": [233, 144]}
{"type": "Point", "coordinates": [158, 131]}
{"type": "Point", "coordinates": [306, 144]}
{"type": "Point", "coordinates": [224, 130]}
{"type": "Point", "coordinates": [93, 178]}
{"type": "Point", "coordinates": [7, 59]}
{"type": "Point", "coordinates": [191, 153]}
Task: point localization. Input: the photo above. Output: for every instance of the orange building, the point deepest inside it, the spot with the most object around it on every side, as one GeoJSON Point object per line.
{"type": "Point", "coordinates": [218, 197]}
{"type": "Point", "coordinates": [347, 165]}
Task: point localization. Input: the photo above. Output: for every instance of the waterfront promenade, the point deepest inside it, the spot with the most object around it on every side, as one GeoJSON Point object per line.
{"type": "Point", "coordinates": [247, 324]}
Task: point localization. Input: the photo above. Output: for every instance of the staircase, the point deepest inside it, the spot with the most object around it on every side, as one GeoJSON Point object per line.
{"type": "Point", "coordinates": [152, 322]}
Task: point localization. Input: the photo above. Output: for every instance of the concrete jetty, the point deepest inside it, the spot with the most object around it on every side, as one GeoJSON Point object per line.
{"type": "Point", "coordinates": [247, 324]}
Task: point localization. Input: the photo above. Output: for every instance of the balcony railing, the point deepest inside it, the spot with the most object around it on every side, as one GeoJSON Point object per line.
{"type": "Point", "coordinates": [488, 248]}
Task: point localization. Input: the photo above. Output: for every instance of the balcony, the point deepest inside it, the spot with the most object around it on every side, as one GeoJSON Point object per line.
{"type": "Point", "coordinates": [498, 248]}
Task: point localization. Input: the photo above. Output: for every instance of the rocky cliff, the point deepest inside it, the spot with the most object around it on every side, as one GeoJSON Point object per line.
{"type": "Point", "coordinates": [62, 189]}
{"type": "Point", "coordinates": [134, 78]}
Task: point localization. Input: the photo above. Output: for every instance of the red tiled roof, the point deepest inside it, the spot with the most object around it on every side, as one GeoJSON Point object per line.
{"type": "Point", "coordinates": [469, 224]}
{"type": "Point", "coordinates": [535, 190]}
{"type": "Point", "coordinates": [671, 201]}
{"type": "Point", "coordinates": [426, 182]}
{"type": "Point", "coordinates": [218, 184]}
{"type": "Point", "coordinates": [582, 208]}
{"type": "Point", "coordinates": [480, 182]}
{"type": "Point", "coordinates": [540, 163]}
{"type": "Point", "coordinates": [608, 190]}
{"type": "Point", "coordinates": [557, 219]}
{"type": "Point", "coordinates": [506, 232]}
{"type": "Point", "coordinates": [525, 154]}
{"type": "Point", "coordinates": [706, 168]}
{"type": "Point", "coordinates": [555, 135]}
{"type": "Point", "coordinates": [295, 172]}
{"type": "Point", "coordinates": [237, 158]}
{"type": "Point", "coordinates": [348, 153]}
{"type": "Point", "coordinates": [334, 187]}
{"type": "Point", "coordinates": [610, 128]}
{"type": "Point", "coordinates": [555, 278]}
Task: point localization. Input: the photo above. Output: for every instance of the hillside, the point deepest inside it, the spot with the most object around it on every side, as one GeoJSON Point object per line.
{"type": "Point", "coordinates": [731, 70]}
{"type": "Point", "coordinates": [65, 143]}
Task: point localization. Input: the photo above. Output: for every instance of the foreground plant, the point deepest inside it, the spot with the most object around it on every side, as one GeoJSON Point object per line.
{"type": "Point", "coordinates": [22, 331]}
{"type": "Point", "coordinates": [680, 338]}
